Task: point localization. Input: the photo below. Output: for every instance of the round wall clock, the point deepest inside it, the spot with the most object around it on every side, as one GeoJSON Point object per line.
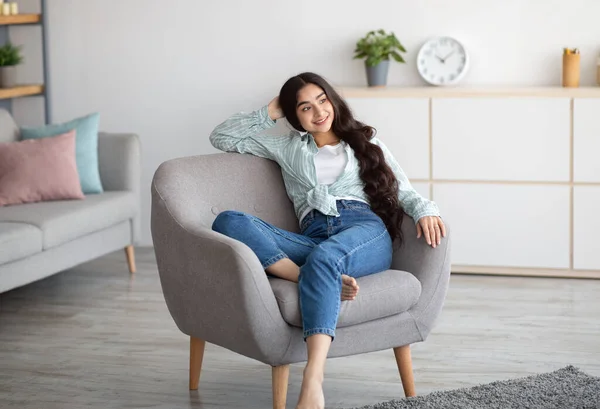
{"type": "Point", "coordinates": [442, 61]}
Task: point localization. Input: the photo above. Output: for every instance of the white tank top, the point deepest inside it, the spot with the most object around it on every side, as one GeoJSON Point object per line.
{"type": "Point", "coordinates": [330, 162]}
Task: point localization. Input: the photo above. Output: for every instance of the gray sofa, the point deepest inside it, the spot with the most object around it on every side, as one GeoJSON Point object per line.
{"type": "Point", "coordinates": [44, 238]}
{"type": "Point", "coordinates": [217, 291]}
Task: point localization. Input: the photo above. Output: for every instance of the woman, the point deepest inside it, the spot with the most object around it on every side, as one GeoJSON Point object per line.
{"type": "Point", "coordinates": [349, 194]}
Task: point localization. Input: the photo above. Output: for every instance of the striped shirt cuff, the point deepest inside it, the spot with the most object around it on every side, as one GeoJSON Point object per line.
{"type": "Point", "coordinates": [264, 118]}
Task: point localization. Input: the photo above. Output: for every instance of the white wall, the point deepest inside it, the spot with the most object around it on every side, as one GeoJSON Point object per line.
{"type": "Point", "coordinates": [170, 71]}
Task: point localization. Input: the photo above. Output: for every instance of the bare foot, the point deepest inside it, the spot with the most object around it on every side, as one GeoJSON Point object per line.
{"type": "Point", "coordinates": [349, 288]}
{"type": "Point", "coordinates": [311, 393]}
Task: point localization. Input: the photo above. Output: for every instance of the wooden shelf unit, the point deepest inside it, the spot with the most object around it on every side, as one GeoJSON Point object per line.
{"type": "Point", "coordinates": [21, 91]}
{"type": "Point", "coordinates": [20, 19]}
{"type": "Point", "coordinates": [34, 87]}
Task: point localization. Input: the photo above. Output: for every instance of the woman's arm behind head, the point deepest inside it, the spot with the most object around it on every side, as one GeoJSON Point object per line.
{"type": "Point", "coordinates": [242, 133]}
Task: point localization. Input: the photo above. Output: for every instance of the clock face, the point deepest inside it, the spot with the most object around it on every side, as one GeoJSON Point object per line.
{"type": "Point", "coordinates": [442, 61]}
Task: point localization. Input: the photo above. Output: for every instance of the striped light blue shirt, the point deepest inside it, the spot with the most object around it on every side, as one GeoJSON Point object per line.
{"type": "Point", "coordinates": [295, 154]}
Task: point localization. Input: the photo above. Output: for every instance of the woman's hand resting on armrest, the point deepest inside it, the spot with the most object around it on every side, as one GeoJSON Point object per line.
{"type": "Point", "coordinates": [433, 228]}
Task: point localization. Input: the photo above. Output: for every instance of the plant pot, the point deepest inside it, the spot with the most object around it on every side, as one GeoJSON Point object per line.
{"type": "Point", "coordinates": [8, 77]}
{"type": "Point", "coordinates": [377, 75]}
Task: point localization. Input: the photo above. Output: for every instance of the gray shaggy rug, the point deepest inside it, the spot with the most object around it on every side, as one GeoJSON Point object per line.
{"type": "Point", "coordinates": [563, 389]}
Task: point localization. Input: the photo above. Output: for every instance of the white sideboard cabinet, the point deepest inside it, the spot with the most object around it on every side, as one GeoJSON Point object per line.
{"type": "Point", "coordinates": [515, 171]}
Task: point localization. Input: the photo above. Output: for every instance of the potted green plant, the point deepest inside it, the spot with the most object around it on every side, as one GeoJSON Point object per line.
{"type": "Point", "coordinates": [10, 57]}
{"type": "Point", "coordinates": [377, 48]}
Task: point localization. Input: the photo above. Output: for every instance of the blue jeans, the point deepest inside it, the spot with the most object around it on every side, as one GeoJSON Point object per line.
{"type": "Point", "coordinates": [356, 244]}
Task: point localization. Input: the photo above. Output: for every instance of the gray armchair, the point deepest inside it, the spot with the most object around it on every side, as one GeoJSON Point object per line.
{"type": "Point", "coordinates": [217, 291]}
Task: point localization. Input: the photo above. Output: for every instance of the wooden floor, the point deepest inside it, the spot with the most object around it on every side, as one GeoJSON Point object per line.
{"type": "Point", "coordinates": [92, 337]}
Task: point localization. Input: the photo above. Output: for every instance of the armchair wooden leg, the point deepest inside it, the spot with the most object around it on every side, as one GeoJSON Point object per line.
{"type": "Point", "coordinates": [196, 354]}
{"type": "Point", "coordinates": [404, 362]}
{"type": "Point", "coordinates": [281, 375]}
{"type": "Point", "coordinates": [130, 258]}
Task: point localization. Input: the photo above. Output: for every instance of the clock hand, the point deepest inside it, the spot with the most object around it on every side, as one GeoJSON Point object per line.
{"type": "Point", "coordinates": [446, 57]}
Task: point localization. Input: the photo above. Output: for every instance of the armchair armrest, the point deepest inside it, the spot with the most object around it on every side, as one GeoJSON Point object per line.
{"type": "Point", "coordinates": [215, 287]}
{"type": "Point", "coordinates": [431, 266]}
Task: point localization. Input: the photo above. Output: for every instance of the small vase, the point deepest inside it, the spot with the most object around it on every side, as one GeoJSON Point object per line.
{"type": "Point", "coordinates": [8, 77]}
{"type": "Point", "coordinates": [377, 75]}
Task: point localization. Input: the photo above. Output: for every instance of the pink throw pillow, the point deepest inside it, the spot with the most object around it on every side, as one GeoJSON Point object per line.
{"type": "Point", "coordinates": [36, 170]}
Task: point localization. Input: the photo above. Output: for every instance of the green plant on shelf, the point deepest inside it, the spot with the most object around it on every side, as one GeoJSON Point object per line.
{"type": "Point", "coordinates": [10, 55]}
{"type": "Point", "coordinates": [378, 46]}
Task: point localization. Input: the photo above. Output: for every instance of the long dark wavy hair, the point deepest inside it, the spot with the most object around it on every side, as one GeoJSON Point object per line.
{"type": "Point", "coordinates": [381, 185]}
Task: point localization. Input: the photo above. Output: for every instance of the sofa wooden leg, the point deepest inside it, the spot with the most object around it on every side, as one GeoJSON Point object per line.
{"type": "Point", "coordinates": [196, 354]}
{"type": "Point", "coordinates": [281, 375]}
{"type": "Point", "coordinates": [404, 362]}
{"type": "Point", "coordinates": [130, 258]}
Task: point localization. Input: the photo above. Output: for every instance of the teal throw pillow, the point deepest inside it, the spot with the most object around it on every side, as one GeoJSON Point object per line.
{"type": "Point", "coordinates": [86, 147]}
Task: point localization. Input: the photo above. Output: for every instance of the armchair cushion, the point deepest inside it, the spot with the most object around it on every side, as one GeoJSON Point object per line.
{"type": "Point", "coordinates": [381, 295]}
